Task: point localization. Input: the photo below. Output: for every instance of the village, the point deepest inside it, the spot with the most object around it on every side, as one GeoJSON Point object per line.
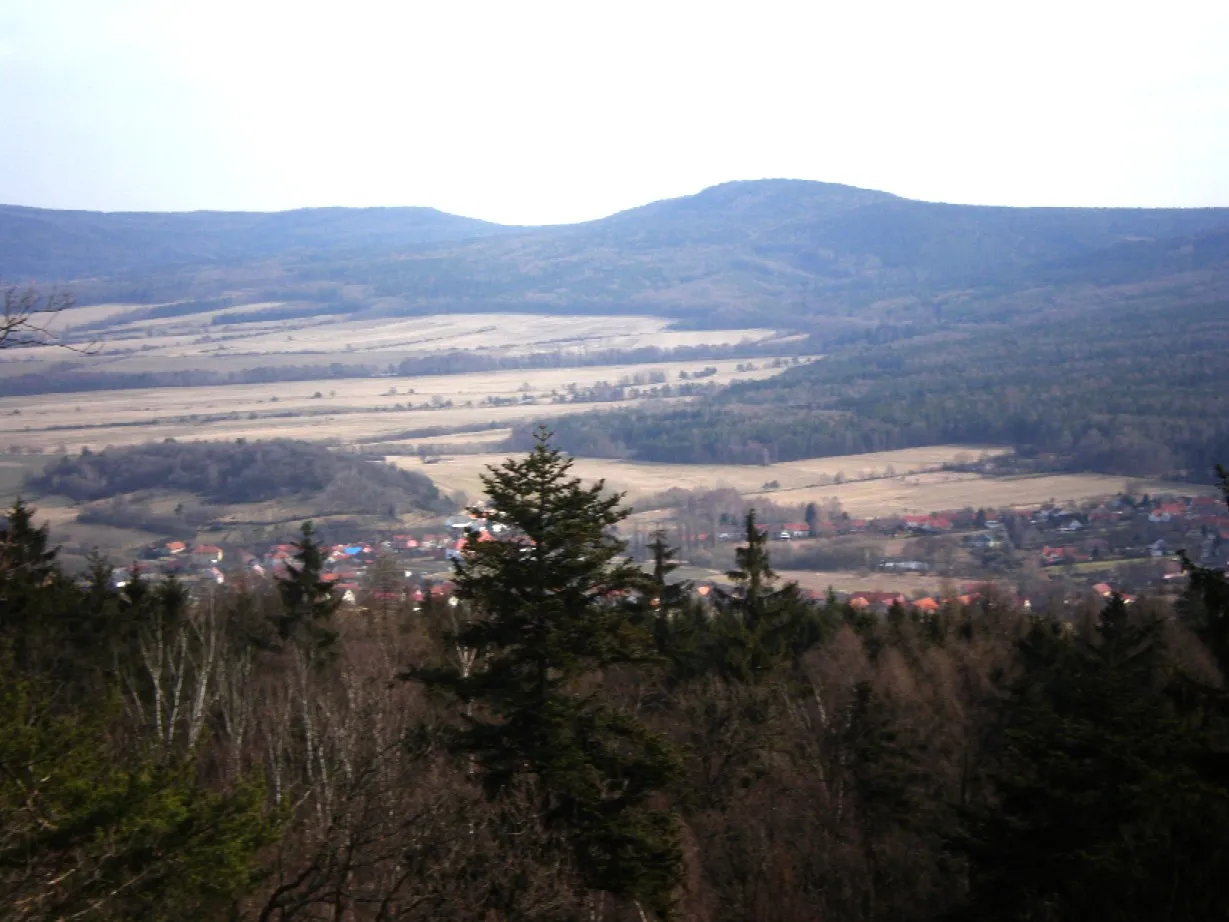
{"type": "Point", "coordinates": [1124, 544]}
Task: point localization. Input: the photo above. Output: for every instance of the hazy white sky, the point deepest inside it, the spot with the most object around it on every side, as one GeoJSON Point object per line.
{"type": "Point", "coordinates": [533, 112]}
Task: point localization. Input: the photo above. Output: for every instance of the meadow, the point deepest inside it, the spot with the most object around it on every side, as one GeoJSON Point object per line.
{"type": "Point", "coordinates": [914, 485]}
{"type": "Point", "coordinates": [463, 419]}
{"type": "Point", "coordinates": [342, 409]}
{"type": "Point", "coordinates": [123, 338]}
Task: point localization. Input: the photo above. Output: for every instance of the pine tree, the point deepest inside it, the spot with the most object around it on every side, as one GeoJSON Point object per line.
{"type": "Point", "coordinates": [28, 578]}
{"type": "Point", "coordinates": [25, 557]}
{"type": "Point", "coordinates": [760, 625]}
{"type": "Point", "coordinates": [666, 599]}
{"type": "Point", "coordinates": [812, 518]}
{"type": "Point", "coordinates": [1100, 811]}
{"type": "Point", "coordinates": [1205, 605]}
{"type": "Point", "coordinates": [91, 824]}
{"type": "Point", "coordinates": [553, 605]}
{"type": "Point", "coordinates": [91, 830]}
{"type": "Point", "coordinates": [308, 600]}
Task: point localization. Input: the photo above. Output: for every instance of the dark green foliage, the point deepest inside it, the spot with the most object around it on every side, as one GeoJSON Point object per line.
{"type": "Point", "coordinates": [551, 604]}
{"type": "Point", "coordinates": [1130, 387]}
{"type": "Point", "coordinates": [667, 599]}
{"type": "Point", "coordinates": [592, 741]}
{"type": "Point", "coordinates": [87, 829]}
{"type": "Point", "coordinates": [1205, 604]}
{"type": "Point", "coordinates": [308, 600]}
{"type": "Point", "coordinates": [1100, 809]}
{"type": "Point", "coordinates": [93, 823]}
{"type": "Point", "coordinates": [48, 623]}
{"type": "Point", "coordinates": [247, 472]}
{"type": "Point", "coordinates": [28, 580]}
{"type": "Point", "coordinates": [760, 626]}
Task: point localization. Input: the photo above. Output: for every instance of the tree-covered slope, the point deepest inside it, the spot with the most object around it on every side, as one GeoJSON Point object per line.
{"type": "Point", "coordinates": [43, 244]}
{"type": "Point", "coordinates": [1128, 379]}
{"type": "Point", "coordinates": [242, 472]}
{"type": "Point", "coordinates": [767, 252]}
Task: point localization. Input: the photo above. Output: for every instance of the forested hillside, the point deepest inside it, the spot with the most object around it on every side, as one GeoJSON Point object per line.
{"type": "Point", "coordinates": [1123, 380]}
{"type": "Point", "coordinates": [562, 737]}
{"type": "Point", "coordinates": [239, 472]}
{"type": "Point", "coordinates": [46, 245]}
{"type": "Point", "coordinates": [782, 253]}
{"type": "Point", "coordinates": [1095, 334]}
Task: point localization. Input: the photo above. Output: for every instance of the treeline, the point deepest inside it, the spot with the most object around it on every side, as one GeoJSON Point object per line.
{"type": "Point", "coordinates": [576, 739]}
{"type": "Point", "coordinates": [81, 380]}
{"type": "Point", "coordinates": [457, 362]}
{"type": "Point", "coordinates": [241, 472]}
{"type": "Point", "coordinates": [72, 378]}
{"type": "Point", "coordinates": [1140, 392]}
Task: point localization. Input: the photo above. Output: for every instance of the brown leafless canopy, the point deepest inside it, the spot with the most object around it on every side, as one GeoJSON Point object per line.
{"type": "Point", "coordinates": [28, 315]}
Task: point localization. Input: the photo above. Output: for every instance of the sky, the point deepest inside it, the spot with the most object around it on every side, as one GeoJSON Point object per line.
{"type": "Point", "coordinates": [528, 112]}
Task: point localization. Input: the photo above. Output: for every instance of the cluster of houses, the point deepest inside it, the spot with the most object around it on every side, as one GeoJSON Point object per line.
{"type": "Point", "coordinates": [1112, 531]}
{"type": "Point", "coordinates": [1123, 529]}
{"type": "Point", "coordinates": [345, 565]}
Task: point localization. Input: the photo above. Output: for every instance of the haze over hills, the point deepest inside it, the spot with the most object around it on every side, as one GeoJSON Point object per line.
{"type": "Point", "coordinates": [1098, 335]}
{"type": "Point", "coordinates": [781, 252]}
{"type": "Point", "coordinates": [43, 244]}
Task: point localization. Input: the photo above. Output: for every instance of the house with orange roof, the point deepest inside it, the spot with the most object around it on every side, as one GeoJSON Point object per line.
{"type": "Point", "coordinates": [207, 552]}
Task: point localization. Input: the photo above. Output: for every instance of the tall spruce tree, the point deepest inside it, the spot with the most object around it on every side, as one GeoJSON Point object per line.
{"type": "Point", "coordinates": [92, 824]}
{"type": "Point", "coordinates": [308, 600]}
{"type": "Point", "coordinates": [29, 584]}
{"type": "Point", "coordinates": [1100, 808]}
{"type": "Point", "coordinates": [761, 624]}
{"type": "Point", "coordinates": [553, 601]}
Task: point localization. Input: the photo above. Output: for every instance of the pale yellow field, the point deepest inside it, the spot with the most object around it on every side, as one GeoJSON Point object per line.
{"type": "Point", "coordinates": [345, 428]}
{"type": "Point", "coordinates": [932, 492]}
{"type": "Point", "coordinates": [150, 344]}
{"type": "Point", "coordinates": [643, 479]}
{"type": "Point", "coordinates": [845, 581]}
{"type": "Point", "coordinates": [929, 491]}
{"type": "Point", "coordinates": [79, 316]}
{"type": "Point", "coordinates": [848, 581]}
{"type": "Point", "coordinates": [349, 409]}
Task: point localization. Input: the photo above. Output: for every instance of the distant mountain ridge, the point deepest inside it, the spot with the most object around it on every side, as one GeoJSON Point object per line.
{"type": "Point", "coordinates": [46, 244]}
{"type": "Point", "coordinates": [763, 252]}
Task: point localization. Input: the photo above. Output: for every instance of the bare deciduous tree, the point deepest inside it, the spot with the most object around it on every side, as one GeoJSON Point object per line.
{"type": "Point", "coordinates": [27, 317]}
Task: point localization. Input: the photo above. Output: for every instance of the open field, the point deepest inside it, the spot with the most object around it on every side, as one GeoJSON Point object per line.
{"type": "Point", "coordinates": [347, 409]}
{"type": "Point", "coordinates": [844, 581]}
{"type": "Point", "coordinates": [13, 473]}
{"type": "Point", "coordinates": [196, 341]}
{"type": "Point", "coordinates": [641, 480]}
{"type": "Point", "coordinates": [931, 492]}
{"type": "Point", "coordinates": [849, 581]}
{"type": "Point", "coordinates": [923, 492]}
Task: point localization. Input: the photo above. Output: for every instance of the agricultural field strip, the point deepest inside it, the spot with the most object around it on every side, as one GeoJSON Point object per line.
{"type": "Point", "coordinates": [923, 489]}
{"type": "Point", "coordinates": [325, 336]}
{"type": "Point", "coordinates": [349, 408]}
{"type": "Point", "coordinates": [843, 581]}
{"type": "Point", "coordinates": [347, 429]}
{"type": "Point", "coordinates": [646, 479]}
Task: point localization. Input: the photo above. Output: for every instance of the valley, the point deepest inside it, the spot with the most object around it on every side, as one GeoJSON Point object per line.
{"type": "Point", "coordinates": [782, 344]}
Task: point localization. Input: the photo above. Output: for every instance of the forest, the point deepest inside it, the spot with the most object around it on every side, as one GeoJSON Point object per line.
{"type": "Point", "coordinates": [1127, 387]}
{"type": "Point", "coordinates": [568, 736]}
{"type": "Point", "coordinates": [236, 472]}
